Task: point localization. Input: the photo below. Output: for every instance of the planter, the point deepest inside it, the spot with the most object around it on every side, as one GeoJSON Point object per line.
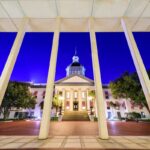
{"type": "Point", "coordinates": [91, 117]}
{"type": "Point", "coordinates": [60, 117]}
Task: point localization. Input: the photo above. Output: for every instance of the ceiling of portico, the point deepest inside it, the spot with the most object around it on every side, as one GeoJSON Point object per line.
{"type": "Point", "coordinates": [75, 14]}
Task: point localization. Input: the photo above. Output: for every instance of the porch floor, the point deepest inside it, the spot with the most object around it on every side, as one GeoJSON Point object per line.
{"type": "Point", "coordinates": [75, 142]}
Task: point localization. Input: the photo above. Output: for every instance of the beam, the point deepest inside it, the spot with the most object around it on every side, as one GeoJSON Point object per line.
{"type": "Point", "coordinates": [44, 128]}
{"type": "Point", "coordinates": [138, 62]}
{"type": "Point", "coordinates": [102, 124]}
{"type": "Point", "coordinates": [7, 71]}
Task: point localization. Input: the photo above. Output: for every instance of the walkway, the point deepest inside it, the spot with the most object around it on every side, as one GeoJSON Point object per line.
{"type": "Point", "coordinates": [74, 128]}
{"type": "Point", "coordinates": [74, 142]}
{"type": "Point", "coordinates": [76, 116]}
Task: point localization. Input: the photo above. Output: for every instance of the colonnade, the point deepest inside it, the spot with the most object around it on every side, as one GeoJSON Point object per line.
{"type": "Point", "coordinates": [102, 124]}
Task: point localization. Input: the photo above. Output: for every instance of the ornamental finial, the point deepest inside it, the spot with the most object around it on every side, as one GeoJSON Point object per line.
{"type": "Point", "coordinates": [75, 54]}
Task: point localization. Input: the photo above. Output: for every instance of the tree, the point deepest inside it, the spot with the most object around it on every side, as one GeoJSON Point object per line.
{"type": "Point", "coordinates": [128, 86]}
{"type": "Point", "coordinates": [93, 95]}
{"type": "Point", "coordinates": [57, 103]}
{"type": "Point", "coordinates": [17, 96]}
{"type": "Point", "coordinates": [133, 116]}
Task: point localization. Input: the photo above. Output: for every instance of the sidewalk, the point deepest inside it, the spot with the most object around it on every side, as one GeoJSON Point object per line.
{"type": "Point", "coordinates": [75, 142]}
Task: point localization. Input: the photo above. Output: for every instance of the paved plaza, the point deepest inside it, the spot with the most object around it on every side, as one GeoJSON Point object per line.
{"type": "Point", "coordinates": [74, 135]}
{"type": "Point", "coordinates": [81, 128]}
{"type": "Point", "coordinates": [75, 142]}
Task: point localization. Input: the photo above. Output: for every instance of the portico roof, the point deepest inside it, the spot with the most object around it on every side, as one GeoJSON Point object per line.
{"type": "Point", "coordinates": [84, 80]}
{"type": "Point", "coordinates": [75, 14]}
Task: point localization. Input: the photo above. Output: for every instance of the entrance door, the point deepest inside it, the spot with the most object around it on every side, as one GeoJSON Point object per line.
{"type": "Point", "coordinates": [75, 106]}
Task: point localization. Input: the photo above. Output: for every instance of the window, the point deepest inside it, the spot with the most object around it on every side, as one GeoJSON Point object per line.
{"type": "Point", "coordinates": [75, 94]}
{"type": "Point", "coordinates": [67, 95]}
{"type": "Point", "coordinates": [106, 95]}
{"type": "Point", "coordinates": [83, 104]}
{"type": "Point", "coordinates": [43, 94]}
{"type": "Point", "coordinates": [83, 95]}
{"type": "Point", "coordinates": [108, 105]}
{"type": "Point", "coordinates": [35, 93]}
{"type": "Point", "coordinates": [67, 104]}
{"type": "Point", "coordinates": [143, 115]}
{"type": "Point", "coordinates": [91, 104]}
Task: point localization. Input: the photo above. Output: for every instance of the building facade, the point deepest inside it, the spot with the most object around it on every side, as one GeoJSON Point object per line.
{"type": "Point", "coordinates": [74, 93]}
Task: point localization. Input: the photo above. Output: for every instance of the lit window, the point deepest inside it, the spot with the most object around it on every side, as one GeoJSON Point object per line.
{"type": "Point", "coordinates": [67, 104]}
{"type": "Point", "coordinates": [83, 94]}
{"type": "Point", "coordinates": [83, 104]}
{"type": "Point", "coordinates": [67, 95]}
{"type": "Point", "coordinates": [106, 95]}
{"type": "Point", "coordinates": [75, 94]}
{"type": "Point", "coordinates": [143, 115]}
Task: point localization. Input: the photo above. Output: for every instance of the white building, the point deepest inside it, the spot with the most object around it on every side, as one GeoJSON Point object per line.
{"type": "Point", "coordinates": [73, 91]}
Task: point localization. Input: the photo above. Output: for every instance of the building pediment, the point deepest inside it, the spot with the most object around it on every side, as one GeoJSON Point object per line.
{"type": "Point", "coordinates": [75, 79]}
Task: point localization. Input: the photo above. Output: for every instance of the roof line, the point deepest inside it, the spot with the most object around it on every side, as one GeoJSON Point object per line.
{"type": "Point", "coordinates": [68, 77]}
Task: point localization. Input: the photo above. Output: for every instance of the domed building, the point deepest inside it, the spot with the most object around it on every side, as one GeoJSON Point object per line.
{"type": "Point", "coordinates": [75, 68]}
{"type": "Point", "coordinates": [74, 93]}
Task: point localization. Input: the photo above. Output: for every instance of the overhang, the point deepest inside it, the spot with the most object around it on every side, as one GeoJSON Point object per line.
{"type": "Point", "coordinates": [75, 14]}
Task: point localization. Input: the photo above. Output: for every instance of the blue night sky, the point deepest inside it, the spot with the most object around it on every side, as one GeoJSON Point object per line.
{"type": "Point", "coordinates": [33, 60]}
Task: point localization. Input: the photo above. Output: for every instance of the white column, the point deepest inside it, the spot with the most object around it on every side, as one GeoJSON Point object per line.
{"type": "Point", "coordinates": [95, 108]}
{"type": "Point", "coordinates": [102, 124]}
{"type": "Point", "coordinates": [71, 99]}
{"type": "Point", "coordinates": [138, 62]}
{"type": "Point", "coordinates": [44, 128]}
{"type": "Point", "coordinates": [64, 98]}
{"type": "Point", "coordinates": [87, 101]}
{"type": "Point", "coordinates": [79, 100]}
{"type": "Point", "coordinates": [7, 71]}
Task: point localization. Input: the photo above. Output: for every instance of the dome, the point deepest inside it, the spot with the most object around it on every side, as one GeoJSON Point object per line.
{"type": "Point", "coordinates": [75, 64]}
{"type": "Point", "coordinates": [75, 68]}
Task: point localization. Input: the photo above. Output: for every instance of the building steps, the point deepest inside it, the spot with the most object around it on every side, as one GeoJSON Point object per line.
{"type": "Point", "coordinates": [75, 116]}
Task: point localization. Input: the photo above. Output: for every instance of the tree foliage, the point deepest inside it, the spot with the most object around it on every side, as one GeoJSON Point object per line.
{"type": "Point", "coordinates": [92, 94]}
{"type": "Point", "coordinates": [57, 103]}
{"type": "Point", "coordinates": [17, 96]}
{"type": "Point", "coordinates": [128, 86]}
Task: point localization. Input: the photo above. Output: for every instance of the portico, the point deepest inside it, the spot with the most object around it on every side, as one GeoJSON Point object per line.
{"type": "Point", "coordinates": [76, 16]}
{"type": "Point", "coordinates": [74, 94]}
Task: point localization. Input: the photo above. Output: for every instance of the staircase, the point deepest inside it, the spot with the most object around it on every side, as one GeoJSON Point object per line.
{"type": "Point", "coordinates": [75, 116]}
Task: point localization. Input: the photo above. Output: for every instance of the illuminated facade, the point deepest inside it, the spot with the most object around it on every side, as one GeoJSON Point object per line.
{"type": "Point", "coordinates": [74, 92]}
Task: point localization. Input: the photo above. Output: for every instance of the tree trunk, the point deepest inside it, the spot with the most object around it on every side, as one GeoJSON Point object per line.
{"type": "Point", "coordinates": [56, 110]}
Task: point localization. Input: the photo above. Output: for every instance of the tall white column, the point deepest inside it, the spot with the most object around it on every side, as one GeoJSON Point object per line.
{"type": "Point", "coordinates": [71, 99]}
{"type": "Point", "coordinates": [7, 71]}
{"type": "Point", "coordinates": [87, 101]}
{"type": "Point", "coordinates": [44, 128]}
{"type": "Point", "coordinates": [102, 124]}
{"type": "Point", "coordinates": [79, 100]}
{"type": "Point", "coordinates": [64, 98]}
{"type": "Point", "coordinates": [138, 62]}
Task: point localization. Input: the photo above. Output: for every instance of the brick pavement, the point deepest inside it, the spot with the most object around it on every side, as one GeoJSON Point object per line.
{"type": "Point", "coordinates": [75, 128]}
